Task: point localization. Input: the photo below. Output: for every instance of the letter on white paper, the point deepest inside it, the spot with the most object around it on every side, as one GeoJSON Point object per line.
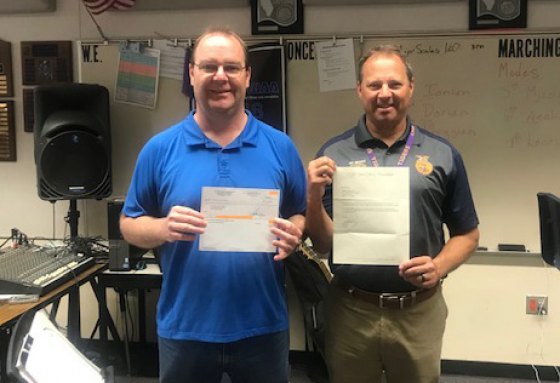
{"type": "Point", "coordinates": [371, 215]}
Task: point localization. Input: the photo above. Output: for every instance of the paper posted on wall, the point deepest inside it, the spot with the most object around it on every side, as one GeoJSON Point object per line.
{"type": "Point", "coordinates": [137, 77]}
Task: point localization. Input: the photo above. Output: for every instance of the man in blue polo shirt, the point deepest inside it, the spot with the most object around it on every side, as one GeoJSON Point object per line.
{"type": "Point", "coordinates": [218, 312]}
{"type": "Point", "coordinates": [391, 319]}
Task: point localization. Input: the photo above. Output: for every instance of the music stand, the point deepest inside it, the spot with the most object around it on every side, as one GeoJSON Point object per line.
{"type": "Point", "coordinates": [39, 353]}
{"type": "Point", "coordinates": [16, 342]}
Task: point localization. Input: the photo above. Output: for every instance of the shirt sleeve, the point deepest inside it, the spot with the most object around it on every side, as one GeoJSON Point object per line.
{"type": "Point", "coordinates": [459, 211]}
{"type": "Point", "coordinates": [141, 199]}
{"type": "Point", "coordinates": [295, 193]}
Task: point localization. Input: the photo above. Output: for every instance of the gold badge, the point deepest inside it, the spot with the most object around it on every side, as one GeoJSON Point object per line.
{"type": "Point", "coordinates": [423, 165]}
{"type": "Point", "coordinates": [358, 164]}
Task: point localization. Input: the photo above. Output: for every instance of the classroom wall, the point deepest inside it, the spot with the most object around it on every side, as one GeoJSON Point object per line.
{"type": "Point", "coordinates": [486, 297]}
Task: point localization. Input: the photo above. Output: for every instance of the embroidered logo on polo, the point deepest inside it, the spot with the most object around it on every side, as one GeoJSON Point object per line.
{"type": "Point", "coordinates": [357, 164]}
{"type": "Point", "coordinates": [423, 165]}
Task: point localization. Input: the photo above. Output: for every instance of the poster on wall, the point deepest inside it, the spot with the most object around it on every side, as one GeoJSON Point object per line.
{"type": "Point", "coordinates": [266, 95]}
{"type": "Point", "coordinates": [491, 14]}
{"type": "Point", "coordinates": [137, 77]}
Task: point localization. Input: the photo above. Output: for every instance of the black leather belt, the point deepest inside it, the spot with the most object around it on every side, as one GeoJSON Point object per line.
{"type": "Point", "coordinates": [387, 300]}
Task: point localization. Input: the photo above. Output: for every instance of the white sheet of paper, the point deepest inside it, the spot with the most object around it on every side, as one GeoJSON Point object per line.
{"type": "Point", "coordinates": [172, 58]}
{"type": "Point", "coordinates": [238, 219]}
{"type": "Point", "coordinates": [371, 215]}
{"type": "Point", "coordinates": [336, 65]}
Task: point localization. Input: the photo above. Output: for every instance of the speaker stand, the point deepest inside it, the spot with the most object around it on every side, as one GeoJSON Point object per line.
{"type": "Point", "coordinates": [72, 218]}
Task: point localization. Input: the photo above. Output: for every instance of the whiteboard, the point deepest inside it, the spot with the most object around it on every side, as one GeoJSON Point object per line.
{"type": "Point", "coordinates": [501, 113]}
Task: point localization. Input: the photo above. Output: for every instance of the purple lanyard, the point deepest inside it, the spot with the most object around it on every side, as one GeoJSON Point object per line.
{"type": "Point", "coordinates": [373, 158]}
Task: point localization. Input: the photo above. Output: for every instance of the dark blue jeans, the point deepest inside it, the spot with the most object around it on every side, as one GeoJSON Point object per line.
{"type": "Point", "coordinates": [252, 360]}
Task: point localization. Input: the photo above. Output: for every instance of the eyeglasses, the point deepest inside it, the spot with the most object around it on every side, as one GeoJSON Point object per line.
{"type": "Point", "coordinates": [229, 69]}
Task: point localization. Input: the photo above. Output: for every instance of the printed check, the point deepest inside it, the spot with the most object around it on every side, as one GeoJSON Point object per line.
{"type": "Point", "coordinates": [238, 219]}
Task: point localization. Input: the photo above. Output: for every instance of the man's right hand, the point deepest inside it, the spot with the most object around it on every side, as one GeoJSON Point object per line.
{"type": "Point", "coordinates": [320, 173]}
{"type": "Point", "coordinates": [183, 224]}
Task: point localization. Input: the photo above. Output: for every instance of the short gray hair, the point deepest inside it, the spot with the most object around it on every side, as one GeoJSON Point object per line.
{"type": "Point", "coordinates": [386, 50]}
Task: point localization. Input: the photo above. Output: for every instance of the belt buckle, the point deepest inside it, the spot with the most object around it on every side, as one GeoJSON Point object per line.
{"type": "Point", "coordinates": [386, 297]}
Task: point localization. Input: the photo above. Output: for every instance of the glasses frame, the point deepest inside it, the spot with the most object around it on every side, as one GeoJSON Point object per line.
{"type": "Point", "coordinates": [226, 68]}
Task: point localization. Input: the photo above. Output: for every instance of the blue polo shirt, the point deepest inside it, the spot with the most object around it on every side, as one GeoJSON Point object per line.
{"type": "Point", "coordinates": [216, 296]}
{"type": "Point", "coordinates": [439, 195]}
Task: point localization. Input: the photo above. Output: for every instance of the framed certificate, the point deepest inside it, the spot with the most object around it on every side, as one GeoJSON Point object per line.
{"type": "Point", "coordinates": [490, 14]}
{"type": "Point", "coordinates": [276, 17]}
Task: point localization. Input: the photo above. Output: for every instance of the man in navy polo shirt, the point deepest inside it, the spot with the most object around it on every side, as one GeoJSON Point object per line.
{"type": "Point", "coordinates": [391, 319]}
{"type": "Point", "coordinates": [218, 312]}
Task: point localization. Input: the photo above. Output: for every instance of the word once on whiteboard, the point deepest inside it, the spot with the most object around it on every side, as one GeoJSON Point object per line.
{"type": "Point", "coordinates": [301, 50]}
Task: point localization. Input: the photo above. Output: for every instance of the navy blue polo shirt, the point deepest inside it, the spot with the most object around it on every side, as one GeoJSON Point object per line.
{"type": "Point", "coordinates": [440, 194]}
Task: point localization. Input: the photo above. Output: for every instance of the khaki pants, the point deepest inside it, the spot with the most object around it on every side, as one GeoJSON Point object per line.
{"type": "Point", "coordinates": [363, 340]}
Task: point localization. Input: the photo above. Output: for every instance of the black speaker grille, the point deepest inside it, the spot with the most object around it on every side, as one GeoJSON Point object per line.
{"type": "Point", "coordinates": [75, 164]}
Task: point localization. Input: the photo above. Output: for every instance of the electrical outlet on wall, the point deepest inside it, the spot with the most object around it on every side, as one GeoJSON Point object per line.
{"type": "Point", "coordinates": [536, 305]}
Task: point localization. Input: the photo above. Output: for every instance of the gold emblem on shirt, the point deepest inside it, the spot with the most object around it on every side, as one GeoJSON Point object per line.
{"type": "Point", "coordinates": [357, 164]}
{"type": "Point", "coordinates": [423, 165]}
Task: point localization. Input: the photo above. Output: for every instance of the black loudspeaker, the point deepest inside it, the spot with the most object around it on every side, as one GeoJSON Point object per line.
{"type": "Point", "coordinates": [72, 138]}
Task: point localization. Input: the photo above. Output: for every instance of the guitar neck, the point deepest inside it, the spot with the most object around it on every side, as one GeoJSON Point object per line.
{"type": "Point", "coordinates": [313, 256]}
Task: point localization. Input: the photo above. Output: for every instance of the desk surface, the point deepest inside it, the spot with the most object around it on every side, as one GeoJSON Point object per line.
{"type": "Point", "coordinates": [11, 311]}
{"type": "Point", "coordinates": [150, 269]}
{"type": "Point", "coordinates": [148, 278]}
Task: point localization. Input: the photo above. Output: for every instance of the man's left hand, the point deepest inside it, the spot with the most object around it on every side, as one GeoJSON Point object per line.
{"type": "Point", "coordinates": [288, 237]}
{"type": "Point", "coordinates": [420, 271]}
